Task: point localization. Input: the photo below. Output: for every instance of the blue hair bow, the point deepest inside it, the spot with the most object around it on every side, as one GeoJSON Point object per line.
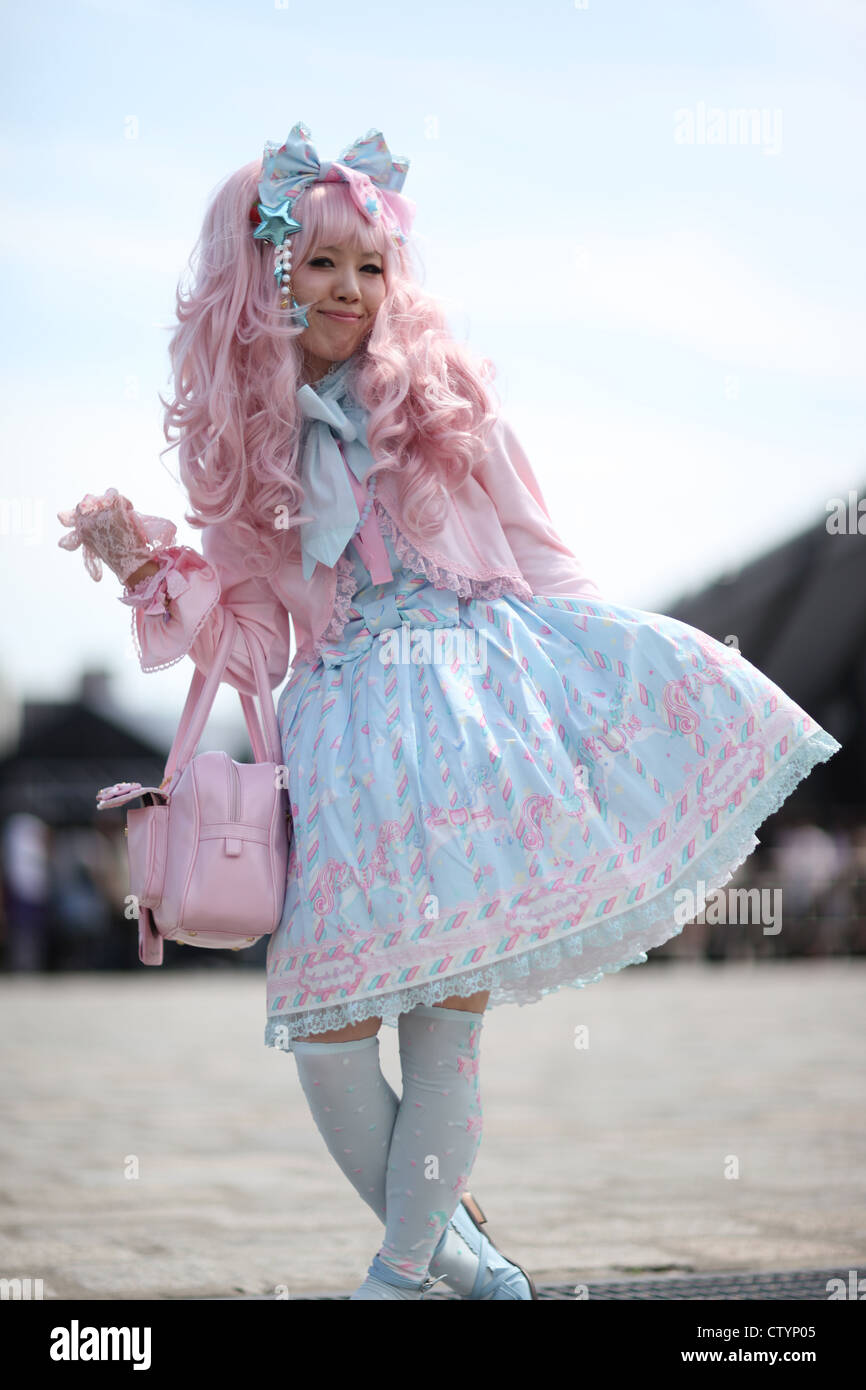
{"type": "Point", "coordinates": [374, 176]}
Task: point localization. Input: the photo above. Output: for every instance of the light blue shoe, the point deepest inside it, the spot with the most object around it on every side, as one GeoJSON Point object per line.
{"type": "Point", "coordinates": [382, 1282]}
{"type": "Point", "coordinates": [470, 1262]}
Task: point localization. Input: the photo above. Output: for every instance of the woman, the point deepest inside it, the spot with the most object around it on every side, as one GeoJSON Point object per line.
{"type": "Point", "coordinates": [500, 784]}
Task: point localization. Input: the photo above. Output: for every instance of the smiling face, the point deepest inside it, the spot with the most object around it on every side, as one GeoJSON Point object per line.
{"type": "Point", "coordinates": [344, 288]}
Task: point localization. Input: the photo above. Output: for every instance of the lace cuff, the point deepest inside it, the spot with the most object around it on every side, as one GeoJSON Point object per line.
{"type": "Point", "coordinates": [171, 606]}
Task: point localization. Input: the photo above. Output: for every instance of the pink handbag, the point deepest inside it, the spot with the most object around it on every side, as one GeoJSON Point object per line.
{"type": "Point", "coordinates": [208, 851]}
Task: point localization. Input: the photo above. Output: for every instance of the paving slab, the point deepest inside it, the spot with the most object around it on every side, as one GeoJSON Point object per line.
{"type": "Point", "coordinates": [709, 1122]}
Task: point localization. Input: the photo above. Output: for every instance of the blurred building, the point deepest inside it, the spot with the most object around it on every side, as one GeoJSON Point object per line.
{"type": "Point", "coordinates": [798, 614]}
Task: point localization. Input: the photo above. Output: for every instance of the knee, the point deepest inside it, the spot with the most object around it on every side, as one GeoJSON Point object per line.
{"type": "Point", "coordinates": [473, 1003]}
{"type": "Point", "coordinates": [353, 1032]}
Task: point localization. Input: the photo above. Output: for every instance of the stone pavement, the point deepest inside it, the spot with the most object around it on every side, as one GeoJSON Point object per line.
{"type": "Point", "coordinates": [816, 1285]}
{"type": "Point", "coordinates": [154, 1148]}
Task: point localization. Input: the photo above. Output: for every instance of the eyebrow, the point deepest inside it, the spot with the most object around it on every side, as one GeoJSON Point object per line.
{"type": "Point", "coordinates": [360, 253]}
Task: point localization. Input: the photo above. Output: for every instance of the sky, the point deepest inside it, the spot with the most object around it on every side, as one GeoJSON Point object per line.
{"type": "Point", "coordinates": [672, 292]}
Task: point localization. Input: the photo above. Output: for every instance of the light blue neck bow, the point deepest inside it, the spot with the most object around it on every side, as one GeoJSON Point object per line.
{"type": "Point", "coordinates": [331, 414]}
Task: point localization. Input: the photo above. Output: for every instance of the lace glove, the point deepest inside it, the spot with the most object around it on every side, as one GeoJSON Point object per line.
{"type": "Point", "coordinates": [109, 529]}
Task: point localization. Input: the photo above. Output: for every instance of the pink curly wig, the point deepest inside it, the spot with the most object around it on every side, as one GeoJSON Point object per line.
{"type": "Point", "coordinates": [236, 367]}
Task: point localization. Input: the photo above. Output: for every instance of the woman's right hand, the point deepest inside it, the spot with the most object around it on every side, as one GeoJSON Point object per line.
{"type": "Point", "coordinates": [145, 572]}
{"type": "Point", "coordinates": [110, 529]}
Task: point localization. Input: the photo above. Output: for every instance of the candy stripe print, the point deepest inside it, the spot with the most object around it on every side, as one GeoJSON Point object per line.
{"type": "Point", "coordinates": [519, 826]}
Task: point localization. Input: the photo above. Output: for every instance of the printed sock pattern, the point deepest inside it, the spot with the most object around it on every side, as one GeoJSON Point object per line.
{"type": "Point", "coordinates": [436, 1135]}
{"type": "Point", "coordinates": [354, 1109]}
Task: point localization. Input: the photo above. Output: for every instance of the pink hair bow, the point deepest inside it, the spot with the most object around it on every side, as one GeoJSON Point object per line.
{"type": "Point", "coordinates": [374, 176]}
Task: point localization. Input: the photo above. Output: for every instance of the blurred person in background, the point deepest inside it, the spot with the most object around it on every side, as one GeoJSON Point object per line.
{"type": "Point", "coordinates": [26, 862]}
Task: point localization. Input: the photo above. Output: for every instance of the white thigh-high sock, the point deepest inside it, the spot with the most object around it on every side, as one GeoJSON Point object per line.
{"type": "Point", "coordinates": [436, 1135]}
{"type": "Point", "coordinates": [354, 1109]}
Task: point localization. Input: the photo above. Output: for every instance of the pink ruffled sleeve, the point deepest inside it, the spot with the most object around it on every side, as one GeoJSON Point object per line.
{"type": "Point", "coordinates": [546, 562]}
{"type": "Point", "coordinates": [179, 611]}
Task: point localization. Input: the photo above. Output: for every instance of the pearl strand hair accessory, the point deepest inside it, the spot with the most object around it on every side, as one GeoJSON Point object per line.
{"type": "Point", "coordinates": [283, 271]}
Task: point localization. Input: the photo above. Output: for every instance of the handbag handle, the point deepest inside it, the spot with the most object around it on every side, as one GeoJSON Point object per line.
{"type": "Point", "coordinates": [267, 746]}
{"type": "Point", "coordinates": [263, 729]}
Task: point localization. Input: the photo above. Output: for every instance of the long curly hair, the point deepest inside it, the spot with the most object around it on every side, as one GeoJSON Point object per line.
{"type": "Point", "coordinates": [236, 366]}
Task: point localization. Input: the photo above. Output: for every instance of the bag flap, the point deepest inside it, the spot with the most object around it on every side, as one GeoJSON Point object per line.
{"type": "Point", "coordinates": [121, 792]}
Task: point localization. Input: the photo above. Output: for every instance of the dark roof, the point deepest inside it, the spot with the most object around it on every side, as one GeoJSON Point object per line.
{"type": "Point", "coordinates": [798, 613]}
{"type": "Point", "coordinates": [67, 750]}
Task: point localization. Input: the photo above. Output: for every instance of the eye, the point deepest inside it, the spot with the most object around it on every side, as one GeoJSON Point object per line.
{"type": "Point", "coordinates": [320, 260]}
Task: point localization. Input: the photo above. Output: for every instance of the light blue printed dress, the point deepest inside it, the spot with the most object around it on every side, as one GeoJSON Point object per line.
{"type": "Point", "coordinates": [516, 809]}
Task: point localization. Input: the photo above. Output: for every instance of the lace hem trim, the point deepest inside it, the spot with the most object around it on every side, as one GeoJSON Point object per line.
{"type": "Point", "coordinates": [347, 585]}
{"type": "Point", "coordinates": [438, 575]}
{"type": "Point", "coordinates": [544, 969]}
{"type": "Point", "coordinates": [435, 566]}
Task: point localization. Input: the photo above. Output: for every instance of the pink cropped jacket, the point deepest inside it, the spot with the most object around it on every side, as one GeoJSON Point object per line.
{"type": "Point", "coordinates": [497, 538]}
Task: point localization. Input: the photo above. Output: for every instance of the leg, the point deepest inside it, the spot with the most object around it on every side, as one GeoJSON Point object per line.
{"type": "Point", "coordinates": [351, 1102]}
{"type": "Point", "coordinates": [358, 1137]}
{"type": "Point", "coordinates": [436, 1135]}
{"type": "Point", "coordinates": [355, 1110]}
